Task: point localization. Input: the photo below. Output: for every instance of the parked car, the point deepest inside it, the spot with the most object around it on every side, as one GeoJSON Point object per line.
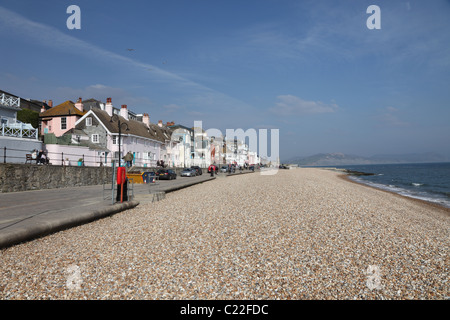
{"type": "Point", "coordinates": [224, 169]}
{"type": "Point", "coordinates": [189, 172]}
{"type": "Point", "coordinates": [199, 170]}
{"type": "Point", "coordinates": [166, 174]}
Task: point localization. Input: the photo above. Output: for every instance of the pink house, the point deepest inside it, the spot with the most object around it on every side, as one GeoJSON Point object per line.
{"type": "Point", "coordinates": [59, 119]}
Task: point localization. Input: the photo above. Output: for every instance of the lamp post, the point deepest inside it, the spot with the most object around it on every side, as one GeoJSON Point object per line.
{"type": "Point", "coordinates": [119, 124]}
{"type": "Point", "coordinates": [184, 151]}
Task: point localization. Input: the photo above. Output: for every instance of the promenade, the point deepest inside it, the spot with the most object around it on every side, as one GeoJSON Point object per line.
{"type": "Point", "coordinates": [31, 214]}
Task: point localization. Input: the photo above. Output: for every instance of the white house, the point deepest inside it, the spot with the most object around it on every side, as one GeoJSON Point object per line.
{"type": "Point", "coordinates": [16, 138]}
{"type": "Point", "coordinates": [142, 138]}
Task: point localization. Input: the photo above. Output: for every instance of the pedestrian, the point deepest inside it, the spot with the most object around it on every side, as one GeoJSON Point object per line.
{"type": "Point", "coordinates": [34, 155]}
{"type": "Point", "coordinates": [39, 157]}
{"type": "Point", "coordinates": [44, 158]}
{"type": "Point", "coordinates": [128, 159]}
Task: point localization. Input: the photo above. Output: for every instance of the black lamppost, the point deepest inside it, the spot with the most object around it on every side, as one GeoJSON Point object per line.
{"type": "Point", "coordinates": [119, 124]}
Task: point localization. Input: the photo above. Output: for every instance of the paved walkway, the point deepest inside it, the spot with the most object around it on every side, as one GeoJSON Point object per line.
{"type": "Point", "coordinates": [30, 214]}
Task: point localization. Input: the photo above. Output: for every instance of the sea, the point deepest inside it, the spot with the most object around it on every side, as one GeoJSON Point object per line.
{"type": "Point", "coordinates": [425, 181]}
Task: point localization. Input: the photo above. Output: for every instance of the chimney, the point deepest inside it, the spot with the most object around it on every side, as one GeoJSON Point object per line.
{"type": "Point", "coordinates": [79, 105]}
{"type": "Point", "coordinates": [109, 107]}
{"type": "Point", "coordinates": [124, 111]}
{"type": "Point", "coordinates": [146, 119]}
{"type": "Point", "coordinates": [160, 123]}
{"type": "Point", "coordinates": [50, 103]}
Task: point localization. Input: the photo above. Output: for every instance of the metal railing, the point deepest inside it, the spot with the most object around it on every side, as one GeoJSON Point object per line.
{"type": "Point", "coordinates": [16, 155]}
{"type": "Point", "coordinates": [19, 131]}
{"type": "Point", "coordinates": [9, 101]}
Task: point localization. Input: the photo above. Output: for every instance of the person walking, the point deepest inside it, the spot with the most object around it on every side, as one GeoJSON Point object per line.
{"type": "Point", "coordinates": [128, 159]}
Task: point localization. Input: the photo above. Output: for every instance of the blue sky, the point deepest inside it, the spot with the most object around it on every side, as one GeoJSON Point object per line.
{"type": "Point", "coordinates": [311, 69]}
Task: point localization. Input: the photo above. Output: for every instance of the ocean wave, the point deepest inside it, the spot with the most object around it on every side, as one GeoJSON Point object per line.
{"type": "Point", "coordinates": [417, 184]}
{"type": "Point", "coordinates": [423, 195]}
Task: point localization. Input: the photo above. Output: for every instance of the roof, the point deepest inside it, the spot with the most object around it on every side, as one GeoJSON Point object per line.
{"type": "Point", "coordinates": [84, 143]}
{"type": "Point", "coordinates": [91, 103]}
{"type": "Point", "coordinates": [180, 126]}
{"type": "Point", "coordinates": [34, 105]}
{"type": "Point", "coordinates": [136, 128]}
{"type": "Point", "coordinates": [66, 108]}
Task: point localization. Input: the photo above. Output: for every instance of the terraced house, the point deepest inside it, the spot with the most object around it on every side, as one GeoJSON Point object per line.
{"type": "Point", "coordinates": [94, 137]}
{"type": "Point", "coordinates": [61, 118]}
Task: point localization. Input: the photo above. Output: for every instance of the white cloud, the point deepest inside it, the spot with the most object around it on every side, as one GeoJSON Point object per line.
{"type": "Point", "coordinates": [51, 37]}
{"type": "Point", "coordinates": [292, 105]}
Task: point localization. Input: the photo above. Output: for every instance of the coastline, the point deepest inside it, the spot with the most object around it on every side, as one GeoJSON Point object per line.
{"type": "Point", "coordinates": [424, 203]}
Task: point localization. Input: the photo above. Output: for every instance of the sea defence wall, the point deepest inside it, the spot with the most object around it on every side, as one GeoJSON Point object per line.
{"type": "Point", "coordinates": [24, 177]}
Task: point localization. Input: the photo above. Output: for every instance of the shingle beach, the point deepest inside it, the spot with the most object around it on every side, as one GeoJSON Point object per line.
{"type": "Point", "coordinates": [299, 234]}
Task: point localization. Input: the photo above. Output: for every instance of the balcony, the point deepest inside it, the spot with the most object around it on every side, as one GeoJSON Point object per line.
{"type": "Point", "coordinates": [9, 101]}
{"type": "Point", "coordinates": [13, 128]}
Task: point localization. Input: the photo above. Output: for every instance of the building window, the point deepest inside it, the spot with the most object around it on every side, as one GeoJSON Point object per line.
{"type": "Point", "coordinates": [95, 138]}
{"type": "Point", "coordinates": [88, 121]}
{"type": "Point", "coordinates": [115, 140]}
{"type": "Point", "coordinates": [63, 123]}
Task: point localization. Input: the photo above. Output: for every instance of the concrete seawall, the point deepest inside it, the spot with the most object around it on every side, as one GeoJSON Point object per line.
{"type": "Point", "coordinates": [24, 177]}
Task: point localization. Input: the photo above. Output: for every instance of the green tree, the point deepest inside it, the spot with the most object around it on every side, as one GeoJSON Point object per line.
{"type": "Point", "coordinates": [28, 116]}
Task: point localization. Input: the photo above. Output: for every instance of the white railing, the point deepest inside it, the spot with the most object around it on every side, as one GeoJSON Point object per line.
{"type": "Point", "coordinates": [9, 101]}
{"type": "Point", "coordinates": [21, 131]}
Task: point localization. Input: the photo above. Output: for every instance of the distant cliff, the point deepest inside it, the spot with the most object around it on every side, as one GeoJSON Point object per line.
{"type": "Point", "coordinates": [340, 159]}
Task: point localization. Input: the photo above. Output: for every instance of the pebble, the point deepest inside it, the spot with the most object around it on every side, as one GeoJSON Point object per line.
{"type": "Point", "coordinates": [299, 234]}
